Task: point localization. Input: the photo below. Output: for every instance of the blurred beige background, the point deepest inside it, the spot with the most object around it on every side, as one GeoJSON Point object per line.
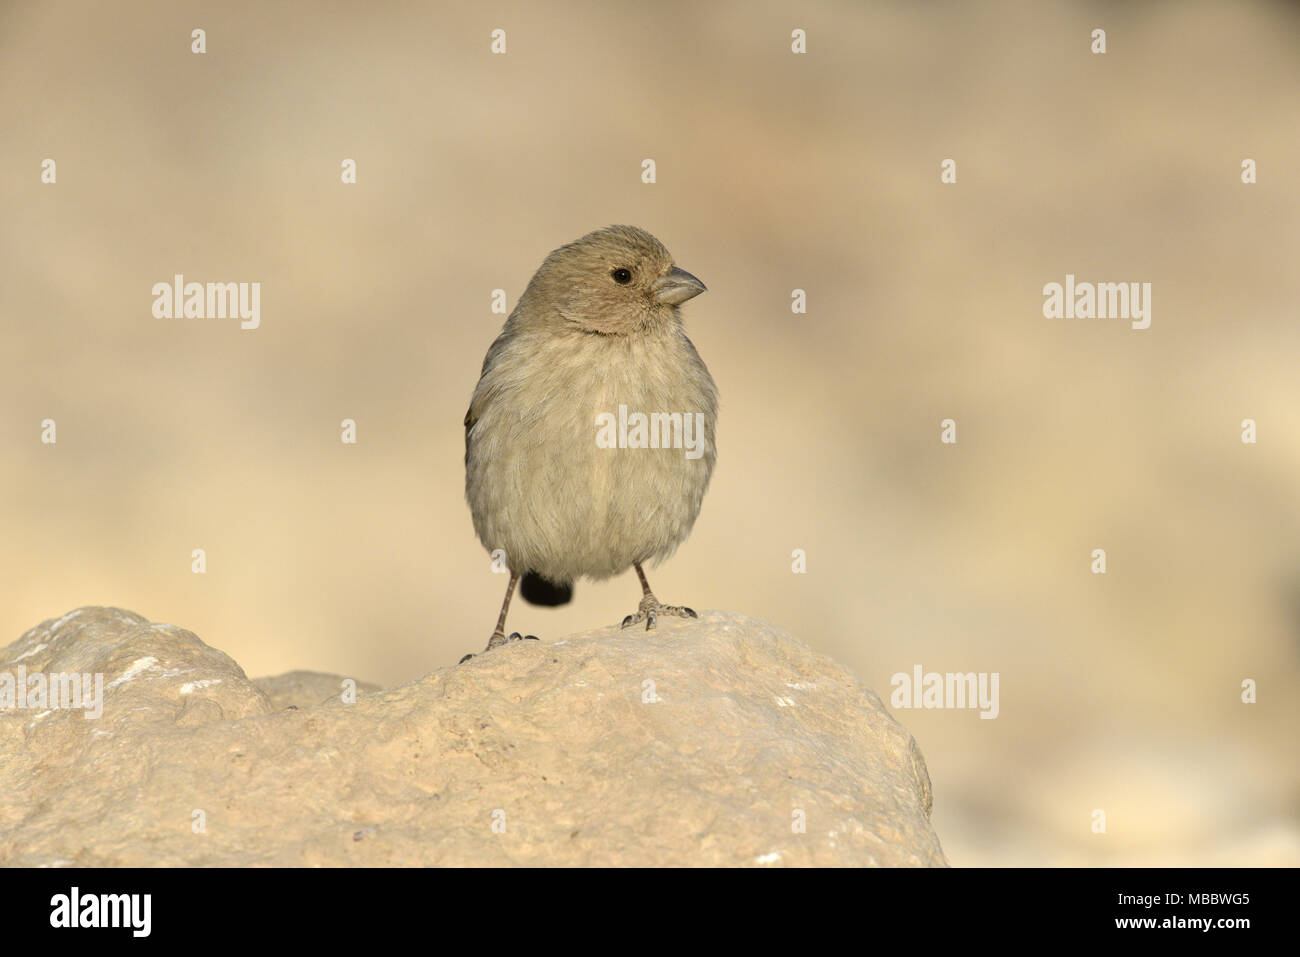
{"type": "Point", "coordinates": [775, 172]}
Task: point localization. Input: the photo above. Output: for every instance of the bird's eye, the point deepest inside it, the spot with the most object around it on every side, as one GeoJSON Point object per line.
{"type": "Point", "coordinates": [622, 276]}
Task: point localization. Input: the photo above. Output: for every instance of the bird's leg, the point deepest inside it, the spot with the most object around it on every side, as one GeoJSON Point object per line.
{"type": "Point", "coordinates": [650, 609]}
{"type": "Point", "coordinates": [499, 636]}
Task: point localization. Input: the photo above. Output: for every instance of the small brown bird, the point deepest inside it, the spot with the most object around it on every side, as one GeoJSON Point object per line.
{"type": "Point", "coordinates": [589, 441]}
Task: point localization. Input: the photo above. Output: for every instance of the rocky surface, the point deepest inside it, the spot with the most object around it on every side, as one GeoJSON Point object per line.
{"type": "Point", "coordinates": [702, 743]}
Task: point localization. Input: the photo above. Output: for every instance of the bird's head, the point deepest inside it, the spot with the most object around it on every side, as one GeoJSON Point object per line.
{"type": "Point", "coordinates": [619, 280]}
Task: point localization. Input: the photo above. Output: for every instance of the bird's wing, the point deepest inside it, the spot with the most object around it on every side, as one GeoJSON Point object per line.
{"type": "Point", "coordinates": [482, 392]}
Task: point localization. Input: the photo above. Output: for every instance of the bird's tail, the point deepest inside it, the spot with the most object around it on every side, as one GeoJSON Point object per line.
{"type": "Point", "coordinates": [536, 590]}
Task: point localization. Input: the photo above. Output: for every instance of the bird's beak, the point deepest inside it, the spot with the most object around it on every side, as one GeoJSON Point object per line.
{"type": "Point", "coordinates": [676, 287]}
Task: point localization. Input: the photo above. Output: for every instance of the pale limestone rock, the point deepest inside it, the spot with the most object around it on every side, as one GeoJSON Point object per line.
{"type": "Point", "coordinates": [699, 743]}
{"type": "Point", "coordinates": [305, 689]}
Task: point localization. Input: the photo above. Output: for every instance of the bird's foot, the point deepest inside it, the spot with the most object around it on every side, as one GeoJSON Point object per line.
{"type": "Point", "coordinates": [497, 640]}
{"type": "Point", "coordinates": [650, 611]}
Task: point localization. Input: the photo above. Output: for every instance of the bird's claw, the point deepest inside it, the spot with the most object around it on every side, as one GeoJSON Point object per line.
{"type": "Point", "coordinates": [497, 640]}
{"type": "Point", "coordinates": [650, 610]}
